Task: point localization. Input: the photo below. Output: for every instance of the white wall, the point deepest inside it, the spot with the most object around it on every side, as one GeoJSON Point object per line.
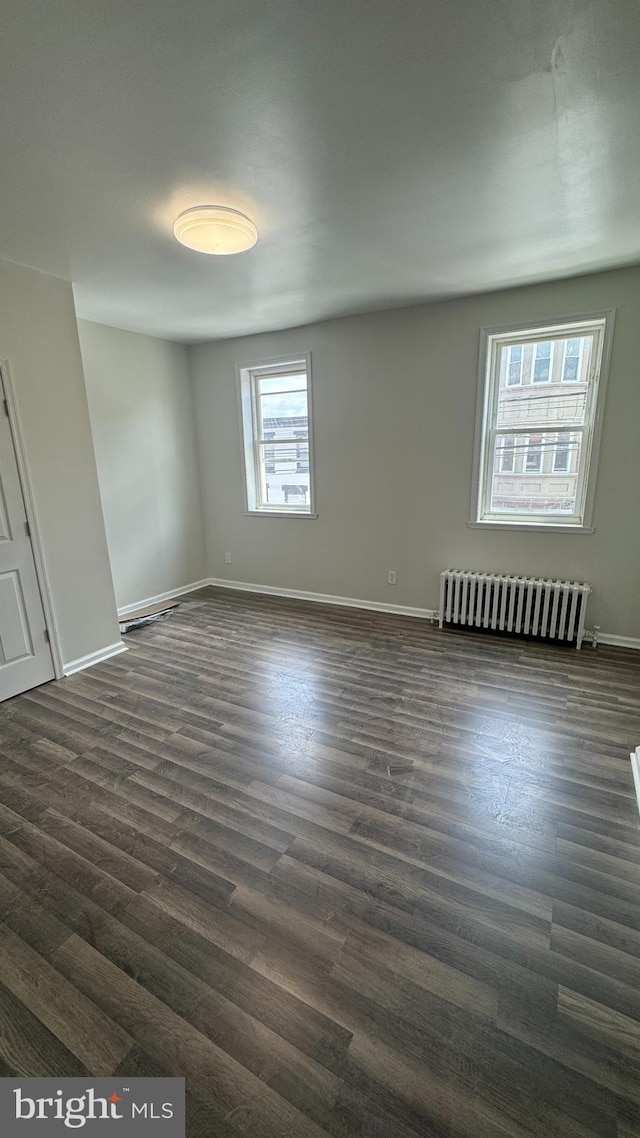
{"type": "Point", "coordinates": [394, 406]}
{"type": "Point", "coordinates": [39, 338]}
{"type": "Point", "coordinates": [142, 420]}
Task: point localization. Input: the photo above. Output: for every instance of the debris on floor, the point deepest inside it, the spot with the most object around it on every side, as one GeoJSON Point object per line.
{"type": "Point", "coordinates": [141, 621]}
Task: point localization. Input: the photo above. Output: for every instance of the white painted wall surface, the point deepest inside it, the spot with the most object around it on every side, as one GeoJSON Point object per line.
{"type": "Point", "coordinates": [394, 405]}
{"type": "Point", "coordinates": [143, 428]}
{"type": "Point", "coordinates": [39, 338]}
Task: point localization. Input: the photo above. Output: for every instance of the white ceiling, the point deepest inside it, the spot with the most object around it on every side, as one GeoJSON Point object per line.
{"type": "Point", "coordinates": [389, 151]}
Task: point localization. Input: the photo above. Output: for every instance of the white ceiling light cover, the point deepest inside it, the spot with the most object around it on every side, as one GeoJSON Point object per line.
{"type": "Point", "coordinates": [215, 229]}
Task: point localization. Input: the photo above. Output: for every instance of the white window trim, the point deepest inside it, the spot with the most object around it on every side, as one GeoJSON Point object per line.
{"type": "Point", "coordinates": [247, 412]}
{"type": "Point", "coordinates": [536, 329]}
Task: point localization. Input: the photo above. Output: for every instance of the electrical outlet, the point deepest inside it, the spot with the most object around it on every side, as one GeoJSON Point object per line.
{"type": "Point", "coordinates": [391, 577]}
{"type": "Point", "coordinates": [227, 558]}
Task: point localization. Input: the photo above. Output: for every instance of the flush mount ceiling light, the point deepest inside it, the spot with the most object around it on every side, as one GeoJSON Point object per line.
{"type": "Point", "coordinates": [216, 229]}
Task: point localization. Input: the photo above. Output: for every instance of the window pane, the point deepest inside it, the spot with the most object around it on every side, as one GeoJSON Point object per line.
{"type": "Point", "coordinates": [526, 478]}
{"type": "Point", "coordinates": [542, 362]}
{"type": "Point", "coordinates": [514, 372]}
{"type": "Point", "coordinates": [505, 453]}
{"type": "Point", "coordinates": [278, 383]}
{"type": "Point", "coordinates": [535, 405]}
{"type": "Point", "coordinates": [570, 373]}
{"type": "Point", "coordinates": [566, 454]}
{"type": "Point", "coordinates": [533, 455]}
{"type": "Point", "coordinates": [284, 477]}
{"type": "Point", "coordinates": [571, 364]}
{"type": "Point", "coordinates": [287, 409]}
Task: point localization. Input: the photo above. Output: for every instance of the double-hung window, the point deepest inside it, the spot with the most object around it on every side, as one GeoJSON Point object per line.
{"type": "Point", "coordinates": [275, 403]}
{"type": "Point", "coordinates": [539, 416]}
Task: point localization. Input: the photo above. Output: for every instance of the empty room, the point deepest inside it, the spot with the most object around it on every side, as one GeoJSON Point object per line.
{"type": "Point", "coordinates": [320, 568]}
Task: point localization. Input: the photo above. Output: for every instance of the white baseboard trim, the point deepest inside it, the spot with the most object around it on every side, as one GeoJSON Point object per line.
{"type": "Point", "coordinates": [619, 641]}
{"type": "Point", "coordinates": [159, 597]}
{"type": "Point", "coordinates": [323, 598]}
{"type": "Point", "coordinates": [94, 658]}
{"type": "Point", "coordinates": [635, 768]}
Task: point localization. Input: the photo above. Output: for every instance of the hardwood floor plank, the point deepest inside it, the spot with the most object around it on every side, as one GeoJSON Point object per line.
{"type": "Point", "coordinates": [616, 1032]}
{"type": "Point", "coordinates": [610, 961]}
{"type": "Point", "coordinates": [79, 1025]}
{"type": "Point", "coordinates": [30, 921]}
{"type": "Point", "coordinates": [213, 923]}
{"type": "Point", "coordinates": [317, 1035]}
{"type": "Point", "coordinates": [173, 1042]}
{"type": "Point", "coordinates": [373, 949]}
{"type": "Point", "coordinates": [596, 928]}
{"type": "Point", "coordinates": [26, 1045]}
{"type": "Point", "coordinates": [275, 1061]}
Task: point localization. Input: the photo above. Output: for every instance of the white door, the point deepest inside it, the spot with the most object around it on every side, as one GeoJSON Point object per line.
{"type": "Point", "coordinates": [25, 656]}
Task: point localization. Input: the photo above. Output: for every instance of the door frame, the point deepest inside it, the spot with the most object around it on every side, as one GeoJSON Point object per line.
{"type": "Point", "coordinates": [8, 388]}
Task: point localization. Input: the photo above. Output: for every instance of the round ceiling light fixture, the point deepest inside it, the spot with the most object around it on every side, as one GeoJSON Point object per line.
{"type": "Point", "coordinates": [215, 229]}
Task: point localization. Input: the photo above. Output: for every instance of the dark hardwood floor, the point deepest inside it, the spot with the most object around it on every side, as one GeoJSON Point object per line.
{"type": "Point", "coordinates": [348, 874]}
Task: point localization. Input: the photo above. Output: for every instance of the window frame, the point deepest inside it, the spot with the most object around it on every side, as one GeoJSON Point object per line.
{"type": "Point", "coordinates": [491, 339]}
{"type": "Point", "coordinates": [247, 377]}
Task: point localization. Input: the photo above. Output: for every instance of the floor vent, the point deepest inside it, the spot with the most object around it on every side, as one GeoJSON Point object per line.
{"type": "Point", "coordinates": [522, 606]}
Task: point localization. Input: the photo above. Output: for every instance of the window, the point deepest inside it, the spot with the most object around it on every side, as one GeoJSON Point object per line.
{"type": "Point", "coordinates": [533, 455]}
{"type": "Point", "coordinates": [515, 357]}
{"type": "Point", "coordinates": [571, 366]}
{"type": "Point", "coordinates": [533, 429]}
{"type": "Point", "coordinates": [276, 430]}
{"type": "Point", "coordinates": [542, 362]}
{"type": "Point", "coordinates": [562, 454]}
{"type": "Point", "coordinates": [505, 453]}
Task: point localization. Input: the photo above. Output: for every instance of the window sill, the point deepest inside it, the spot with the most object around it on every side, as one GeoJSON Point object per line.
{"type": "Point", "coordinates": [277, 514]}
{"type": "Point", "coordinates": [532, 527]}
